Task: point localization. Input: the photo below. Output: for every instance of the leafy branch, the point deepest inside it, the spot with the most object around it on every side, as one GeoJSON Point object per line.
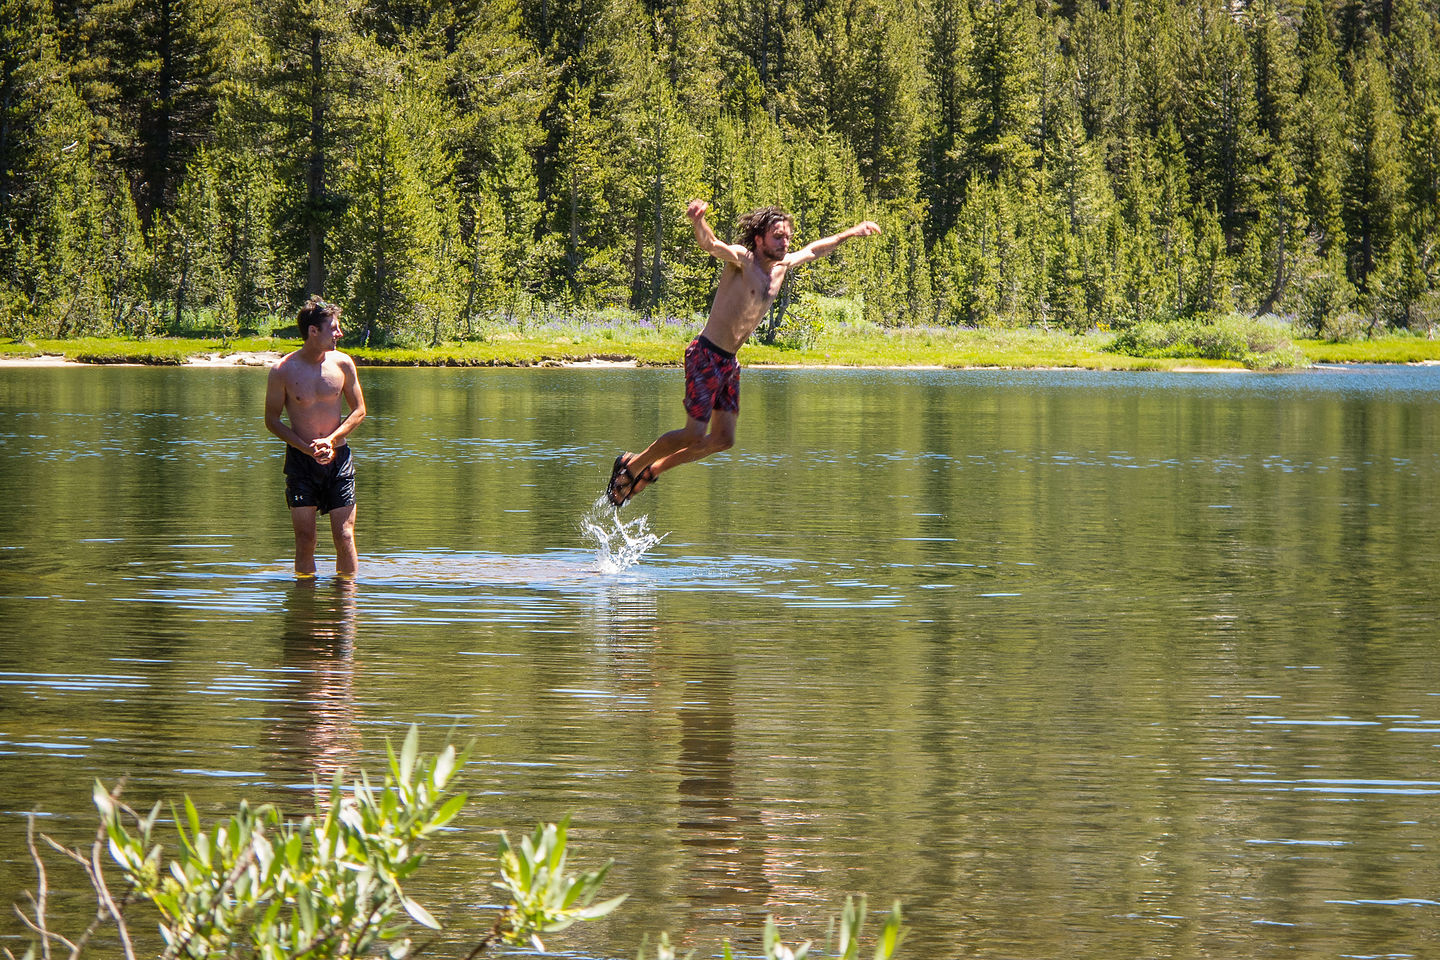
{"type": "Point", "coordinates": [331, 886]}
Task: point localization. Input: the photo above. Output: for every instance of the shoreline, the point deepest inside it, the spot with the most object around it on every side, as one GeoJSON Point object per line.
{"type": "Point", "coordinates": [266, 359]}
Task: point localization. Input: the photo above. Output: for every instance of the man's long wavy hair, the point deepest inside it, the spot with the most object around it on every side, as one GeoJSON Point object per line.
{"type": "Point", "coordinates": [315, 313]}
{"type": "Point", "coordinates": [758, 223]}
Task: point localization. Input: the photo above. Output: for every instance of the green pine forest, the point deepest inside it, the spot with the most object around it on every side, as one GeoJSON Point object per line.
{"type": "Point", "coordinates": [444, 167]}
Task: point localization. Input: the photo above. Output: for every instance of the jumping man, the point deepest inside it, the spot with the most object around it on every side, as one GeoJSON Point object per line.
{"type": "Point", "coordinates": [754, 270]}
{"type": "Point", "coordinates": [313, 385]}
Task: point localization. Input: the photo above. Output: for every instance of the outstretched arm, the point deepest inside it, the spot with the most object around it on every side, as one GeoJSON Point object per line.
{"type": "Point", "coordinates": [705, 237]}
{"type": "Point", "coordinates": [827, 245]}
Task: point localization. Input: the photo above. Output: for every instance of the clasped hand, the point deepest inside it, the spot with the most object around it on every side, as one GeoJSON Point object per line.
{"type": "Point", "coordinates": [322, 450]}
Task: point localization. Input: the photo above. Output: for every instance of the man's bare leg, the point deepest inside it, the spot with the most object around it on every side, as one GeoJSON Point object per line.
{"type": "Point", "coordinates": [303, 520]}
{"type": "Point", "coordinates": [342, 528]}
{"type": "Point", "coordinates": [694, 441]}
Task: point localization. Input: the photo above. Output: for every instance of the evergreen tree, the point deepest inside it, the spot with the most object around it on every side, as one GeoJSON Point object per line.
{"type": "Point", "coordinates": [504, 213]}
{"type": "Point", "coordinates": [948, 64]}
{"type": "Point", "coordinates": [27, 69]}
{"type": "Point", "coordinates": [1157, 71]}
{"type": "Point", "coordinates": [668, 155]}
{"type": "Point", "coordinates": [1414, 53]}
{"type": "Point", "coordinates": [495, 77]}
{"type": "Point", "coordinates": [401, 253]}
{"type": "Point", "coordinates": [685, 37]}
{"type": "Point", "coordinates": [26, 62]}
{"type": "Point", "coordinates": [1400, 288]}
{"type": "Point", "coordinates": [871, 70]}
{"type": "Point", "coordinates": [826, 195]}
{"type": "Point", "coordinates": [1358, 22]}
{"type": "Point", "coordinates": [1082, 208]}
{"type": "Point", "coordinates": [1211, 288]}
{"type": "Point", "coordinates": [198, 277]}
{"type": "Point", "coordinates": [169, 87]}
{"type": "Point", "coordinates": [1172, 221]}
{"type": "Point", "coordinates": [1319, 149]}
{"type": "Point", "coordinates": [1272, 48]}
{"type": "Point", "coordinates": [1276, 242]}
{"type": "Point", "coordinates": [1104, 73]}
{"type": "Point", "coordinates": [499, 86]}
{"type": "Point", "coordinates": [768, 40]}
{"type": "Point", "coordinates": [1140, 282]}
{"type": "Point", "coordinates": [1373, 177]}
{"type": "Point", "coordinates": [1002, 104]}
{"type": "Point", "coordinates": [591, 268]}
{"type": "Point", "coordinates": [981, 259]}
{"type": "Point", "coordinates": [81, 260]}
{"type": "Point", "coordinates": [1218, 115]}
{"type": "Point", "coordinates": [298, 105]}
{"type": "Point", "coordinates": [261, 283]}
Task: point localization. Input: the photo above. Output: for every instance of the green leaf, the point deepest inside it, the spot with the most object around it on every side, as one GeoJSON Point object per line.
{"type": "Point", "coordinates": [408, 753]}
{"type": "Point", "coordinates": [601, 909]}
{"type": "Point", "coordinates": [419, 914]}
{"type": "Point", "coordinates": [891, 934]}
{"type": "Point", "coordinates": [447, 811]}
{"type": "Point", "coordinates": [444, 767]}
{"type": "Point", "coordinates": [192, 815]}
{"type": "Point", "coordinates": [103, 801]}
{"type": "Point", "coordinates": [852, 922]}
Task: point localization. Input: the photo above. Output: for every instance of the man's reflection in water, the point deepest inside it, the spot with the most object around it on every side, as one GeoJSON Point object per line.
{"type": "Point", "coordinates": [722, 830]}
{"type": "Point", "coordinates": [313, 732]}
{"type": "Point", "coordinates": [723, 844]}
{"type": "Point", "coordinates": [623, 618]}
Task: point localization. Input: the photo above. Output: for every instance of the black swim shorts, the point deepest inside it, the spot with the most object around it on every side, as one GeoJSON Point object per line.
{"type": "Point", "coordinates": [311, 484]}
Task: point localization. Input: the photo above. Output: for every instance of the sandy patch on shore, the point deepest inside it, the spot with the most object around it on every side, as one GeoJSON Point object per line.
{"type": "Point", "coordinates": [599, 362]}
{"type": "Point", "coordinates": [244, 358]}
{"type": "Point", "coordinates": [241, 359]}
{"type": "Point", "coordinates": [44, 360]}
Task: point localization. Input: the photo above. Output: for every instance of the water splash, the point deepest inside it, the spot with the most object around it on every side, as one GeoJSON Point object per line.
{"type": "Point", "coordinates": [619, 544]}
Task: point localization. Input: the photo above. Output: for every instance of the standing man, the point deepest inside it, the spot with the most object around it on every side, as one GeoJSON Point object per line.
{"type": "Point", "coordinates": [313, 386]}
{"type": "Point", "coordinates": [754, 270]}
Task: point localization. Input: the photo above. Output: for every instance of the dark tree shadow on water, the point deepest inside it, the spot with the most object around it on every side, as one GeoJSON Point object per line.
{"type": "Point", "coordinates": [719, 827]}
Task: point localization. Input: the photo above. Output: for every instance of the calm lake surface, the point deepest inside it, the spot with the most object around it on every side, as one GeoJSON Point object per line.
{"type": "Point", "coordinates": [1073, 664]}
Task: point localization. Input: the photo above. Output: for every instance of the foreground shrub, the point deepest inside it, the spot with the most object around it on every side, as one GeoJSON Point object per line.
{"type": "Point", "coordinates": [331, 885]}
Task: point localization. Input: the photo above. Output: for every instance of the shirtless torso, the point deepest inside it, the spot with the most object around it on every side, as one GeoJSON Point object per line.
{"type": "Point", "coordinates": [312, 387]}
{"type": "Point", "coordinates": [747, 288]}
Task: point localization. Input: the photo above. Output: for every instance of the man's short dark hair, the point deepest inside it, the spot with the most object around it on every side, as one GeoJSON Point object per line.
{"type": "Point", "coordinates": [316, 312]}
{"type": "Point", "coordinates": [758, 223]}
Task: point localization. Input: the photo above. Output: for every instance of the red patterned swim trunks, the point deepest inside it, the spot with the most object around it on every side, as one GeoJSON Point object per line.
{"type": "Point", "coordinates": [712, 379]}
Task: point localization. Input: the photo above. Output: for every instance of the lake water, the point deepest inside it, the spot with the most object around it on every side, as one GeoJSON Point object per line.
{"type": "Point", "coordinates": [1073, 664]}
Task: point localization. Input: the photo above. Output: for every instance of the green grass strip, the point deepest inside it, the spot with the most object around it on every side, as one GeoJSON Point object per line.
{"type": "Point", "coordinates": [843, 347]}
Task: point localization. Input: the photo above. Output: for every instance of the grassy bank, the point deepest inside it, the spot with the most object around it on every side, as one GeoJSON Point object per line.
{"type": "Point", "coordinates": [844, 346]}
